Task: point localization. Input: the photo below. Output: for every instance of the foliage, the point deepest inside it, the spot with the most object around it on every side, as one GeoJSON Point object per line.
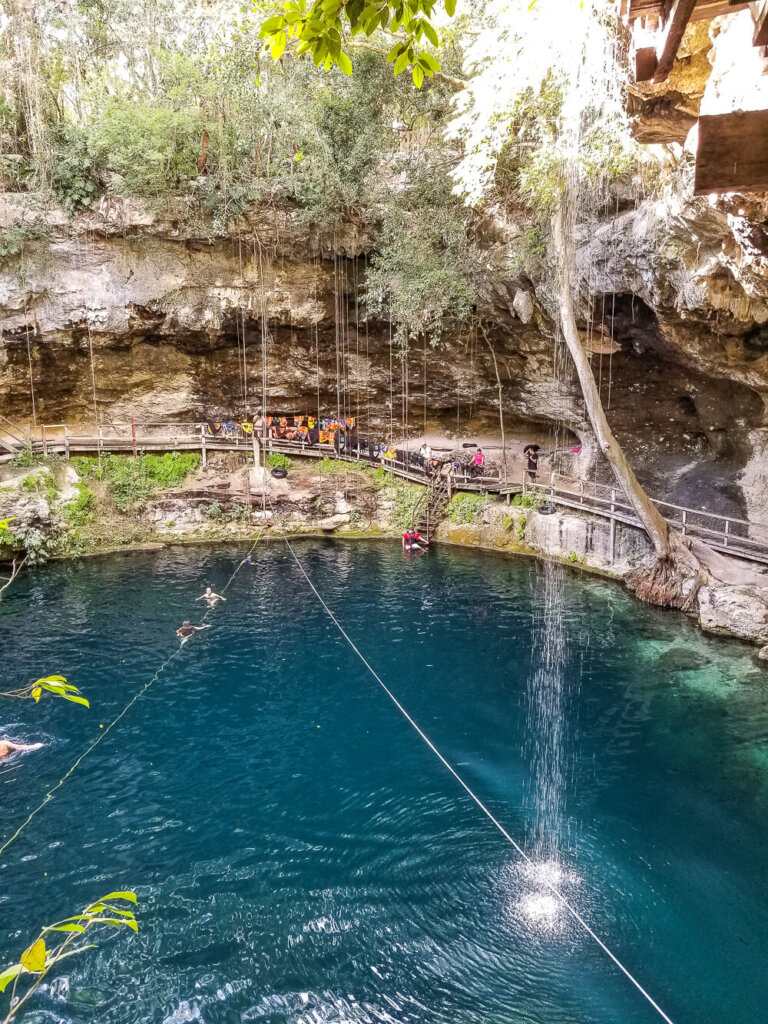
{"type": "Point", "coordinates": [330, 466]}
{"type": "Point", "coordinates": [322, 30]}
{"type": "Point", "coordinates": [408, 501]}
{"type": "Point", "coordinates": [13, 240]}
{"type": "Point", "coordinates": [279, 461]}
{"type": "Point", "coordinates": [79, 510]}
{"type": "Point", "coordinates": [214, 511]}
{"type": "Point", "coordinates": [46, 952]}
{"type": "Point", "coordinates": [135, 480]}
{"type": "Point", "coordinates": [528, 249]}
{"type": "Point", "coordinates": [4, 522]}
{"type": "Point", "coordinates": [40, 483]}
{"type": "Point", "coordinates": [55, 685]}
{"type": "Point", "coordinates": [76, 176]}
{"type": "Point", "coordinates": [535, 500]}
{"type": "Point", "coordinates": [26, 456]}
{"type": "Point", "coordinates": [465, 508]}
{"type": "Point", "coordinates": [28, 538]}
{"type": "Point", "coordinates": [423, 273]}
{"type": "Point", "coordinates": [574, 559]}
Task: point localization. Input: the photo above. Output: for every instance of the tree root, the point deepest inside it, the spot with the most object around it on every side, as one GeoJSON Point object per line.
{"type": "Point", "coordinates": [670, 582]}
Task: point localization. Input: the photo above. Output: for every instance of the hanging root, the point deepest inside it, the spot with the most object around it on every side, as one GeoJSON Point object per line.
{"type": "Point", "coordinates": [671, 582]}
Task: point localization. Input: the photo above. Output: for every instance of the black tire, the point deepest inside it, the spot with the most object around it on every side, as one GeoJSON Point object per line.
{"type": "Point", "coordinates": [278, 473]}
{"type": "Point", "coordinates": [546, 510]}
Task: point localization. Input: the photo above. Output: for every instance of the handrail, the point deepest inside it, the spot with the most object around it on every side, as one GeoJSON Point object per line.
{"type": "Point", "coordinates": [729, 532]}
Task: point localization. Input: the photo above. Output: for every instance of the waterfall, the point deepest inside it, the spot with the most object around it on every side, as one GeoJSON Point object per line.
{"type": "Point", "coordinates": [546, 720]}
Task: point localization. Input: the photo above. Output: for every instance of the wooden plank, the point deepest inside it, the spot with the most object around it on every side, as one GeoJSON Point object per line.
{"type": "Point", "coordinates": [705, 10]}
{"type": "Point", "coordinates": [646, 63]}
{"type": "Point", "coordinates": [760, 37]}
{"type": "Point", "coordinates": [676, 24]}
{"type": "Point", "coordinates": [733, 153]}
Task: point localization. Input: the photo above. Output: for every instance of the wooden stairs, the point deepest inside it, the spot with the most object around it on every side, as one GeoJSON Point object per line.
{"type": "Point", "coordinates": [433, 507]}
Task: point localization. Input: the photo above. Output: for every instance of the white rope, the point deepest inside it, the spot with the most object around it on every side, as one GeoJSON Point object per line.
{"type": "Point", "coordinates": [136, 697]}
{"type": "Point", "coordinates": [552, 888]}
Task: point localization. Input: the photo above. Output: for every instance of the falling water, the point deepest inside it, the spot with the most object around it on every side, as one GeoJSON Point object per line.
{"type": "Point", "coordinates": [547, 707]}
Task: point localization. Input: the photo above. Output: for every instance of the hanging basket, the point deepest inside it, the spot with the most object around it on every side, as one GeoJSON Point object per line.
{"type": "Point", "coordinates": [278, 473]}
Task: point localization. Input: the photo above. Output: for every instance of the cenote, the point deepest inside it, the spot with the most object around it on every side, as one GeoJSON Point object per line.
{"type": "Point", "coordinates": [299, 853]}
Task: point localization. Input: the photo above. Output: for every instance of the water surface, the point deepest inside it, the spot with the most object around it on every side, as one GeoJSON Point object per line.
{"type": "Point", "coordinates": [301, 856]}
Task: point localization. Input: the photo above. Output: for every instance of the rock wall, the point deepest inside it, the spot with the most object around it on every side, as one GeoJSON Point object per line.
{"type": "Point", "coordinates": [142, 313]}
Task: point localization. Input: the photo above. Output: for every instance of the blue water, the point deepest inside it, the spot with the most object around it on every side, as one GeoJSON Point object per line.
{"type": "Point", "coordinates": [299, 853]}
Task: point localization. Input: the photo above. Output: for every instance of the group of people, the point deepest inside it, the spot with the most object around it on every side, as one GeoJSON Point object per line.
{"type": "Point", "coordinates": [186, 629]}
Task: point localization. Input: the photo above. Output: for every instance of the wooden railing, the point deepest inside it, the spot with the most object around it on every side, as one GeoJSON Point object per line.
{"type": "Point", "coordinates": [738, 537]}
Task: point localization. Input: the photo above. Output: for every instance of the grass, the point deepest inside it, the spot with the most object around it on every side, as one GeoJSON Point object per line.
{"type": "Point", "coordinates": [133, 481]}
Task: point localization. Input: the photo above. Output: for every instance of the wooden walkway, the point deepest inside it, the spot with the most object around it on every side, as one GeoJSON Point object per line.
{"type": "Point", "coordinates": [736, 537]}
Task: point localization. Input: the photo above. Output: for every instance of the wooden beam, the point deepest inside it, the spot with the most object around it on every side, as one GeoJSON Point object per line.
{"type": "Point", "coordinates": [645, 63]}
{"type": "Point", "coordinates": [733, 153]}
{"type": "Point", "coordinates": [705, 10]}
{"type": "Point", "coordinates": [676, 24]}
{"type": "Point", "coordinates": [760, 37]}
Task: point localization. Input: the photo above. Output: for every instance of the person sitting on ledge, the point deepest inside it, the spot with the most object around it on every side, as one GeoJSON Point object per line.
{"type": "Point", "coordinates": [186, 629]}
{"type": "Point", "coordinates": [210, 598]}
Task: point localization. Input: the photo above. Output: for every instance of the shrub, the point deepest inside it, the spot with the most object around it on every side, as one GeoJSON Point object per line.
{"type": "Point", "coordinates": [520, 526]}
{"type": "Point", "coordinates": [465, 508]}
{"type": "Point", "coordinates": [529, 500]}
{"type": "Point", "coordinates": [328, 466]}
{"type": "Point", "coordinates": [279, 461]}
{"type": "Point", "coordinates": [79, 510]}
{"type": "Point", "coordinates": [132, 481]}
{"type": "Point", "coordinates": [408, 502]}
{"type": "Point", "coordinates": [26, 456]}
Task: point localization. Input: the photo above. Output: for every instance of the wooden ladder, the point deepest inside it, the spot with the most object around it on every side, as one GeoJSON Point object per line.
{"type": "Point", "coordinates": [433, 508]}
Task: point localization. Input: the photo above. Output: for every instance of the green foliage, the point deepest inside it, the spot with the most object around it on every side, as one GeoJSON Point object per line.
{"type": "Point", "coordinates": [423, 274]}
{"type": "Point", "coordinates": [26, 456]}
{"type": "Point", "coordinates": [79, 510]}
{"type": "Point", "coordinates": [40, 483]}
{"type": "Point", "coordinates": [408, 502]}
{"type": "Point", "coordinates": [31, 540]}
{"type": "Point", "coordinates": [529, 500]}
{"type": "Point", "coordinates": [330, 466]}
{"type": "Point", "coordinates": [13, 240]}
{"type": "Point", "coordinates": [528, 250]}
{"type": "Point", "coordinates": [76, 176]}
{"type": "Point", "coordinates": [47, 951]}
{"type": "Point", "coordinates": [574, 559]}
{"type": "Point", "coordinates": [465, 508]}
{"type": "Point", "coordinates": [279, 461]}
{"type": "Point", "coordinates": [57, 686]}
{"type": "Point", "coordinates": [132, 481]}
{"type": "Point", "coordinates": [216, 512]}
{"type": "Point", "coordinates": [520, 526]}
{"type": "Point", "coordinates": [321, 29]}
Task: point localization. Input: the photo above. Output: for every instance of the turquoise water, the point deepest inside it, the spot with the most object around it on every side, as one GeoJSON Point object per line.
{"type": "Point", "coordinates": [301, 856]}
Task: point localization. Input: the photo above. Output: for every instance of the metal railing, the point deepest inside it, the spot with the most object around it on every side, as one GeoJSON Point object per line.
{"type": "Point", "coordinates": [739, 537]}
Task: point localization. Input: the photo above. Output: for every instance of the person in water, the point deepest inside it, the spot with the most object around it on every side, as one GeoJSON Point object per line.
{"type": "Point", "coordinates": [210, 598]}
{"type": "Point", "coordinates": [7, 748]}
{"type": "Point", "coordinates": [412, 539]}
{"type": "Point", "coordinates": [186, 629]}
{"type": "Point", "coordinates": [247, 561]}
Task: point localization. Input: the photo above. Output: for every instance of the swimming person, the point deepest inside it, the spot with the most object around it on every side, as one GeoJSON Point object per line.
{"type": "Point", "coordinates": [186, 629]}
{"type": "Point", "coordinates": [7, 748]}
{"type": "Point", "coordinates": [246, 561]}
{"type": "Point", "coordinates": [210, 597]}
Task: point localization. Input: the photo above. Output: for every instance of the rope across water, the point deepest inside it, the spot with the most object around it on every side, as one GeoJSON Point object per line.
{"type": "Point", "coordinates": [520, 851]}
{"type": "Point", "coordinates": [136, 697]}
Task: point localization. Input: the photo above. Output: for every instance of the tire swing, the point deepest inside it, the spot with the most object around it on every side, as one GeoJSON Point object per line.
{"type": "Point", "coordinates": [279, 473]}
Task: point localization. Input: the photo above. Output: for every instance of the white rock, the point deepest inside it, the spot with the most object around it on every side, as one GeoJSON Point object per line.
{"type": "Point", "coordinates": [523, 305]}
{"type": "Point", "coordinates": [739, 611]}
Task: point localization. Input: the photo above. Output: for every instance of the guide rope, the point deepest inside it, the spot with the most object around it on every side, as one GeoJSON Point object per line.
{"type": "Point", "coordinates": [521, 852]}
{"type": "Point", "coordinates": [136, 697]}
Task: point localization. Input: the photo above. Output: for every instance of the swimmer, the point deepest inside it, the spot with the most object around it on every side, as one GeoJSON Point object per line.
{"type": "Point", "coordinates": [7, 748]}
{"type": "Point", "coordinates": [186, 629]}
{"type": "Point", "coordinates": [247, 561]}
{"type": "Point", "coordinates": [210, 597]}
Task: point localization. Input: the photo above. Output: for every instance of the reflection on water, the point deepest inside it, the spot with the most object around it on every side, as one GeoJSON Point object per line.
{"type": "Point", "coordinates": [301, 857]}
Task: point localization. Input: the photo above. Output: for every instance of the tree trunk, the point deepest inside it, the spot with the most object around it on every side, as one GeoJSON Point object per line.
{"type": "Point", "coordinates": [501, 399]}
{"type": "Point", "coordinates": [675, 562]}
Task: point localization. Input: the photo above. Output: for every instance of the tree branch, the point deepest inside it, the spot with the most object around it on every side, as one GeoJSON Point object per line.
{"type": "Point", "coordinates": [439, 76]}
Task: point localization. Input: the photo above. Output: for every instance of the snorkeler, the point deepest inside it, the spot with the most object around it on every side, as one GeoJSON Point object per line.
{"type": "Point", "coordinates": [186, 629]}
{"type": "Point", "coordinates": [210, 597]}
{"type": "Point", "coordinates": [7, 748]}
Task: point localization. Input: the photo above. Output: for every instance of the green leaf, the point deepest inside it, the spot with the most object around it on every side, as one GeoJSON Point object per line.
{"type": "Point", "coordinates": [123, 894]}
{"type": "Point", "coordinates": [278, 45]}
{"type": "Point", "coordinates": [76, 700]}
{"type": "Point", "coordinates": [66, 928]}
{"type": "Point", "coordinates": [7, 976]}
{"type": "Point", "coordinates": [450, 7]}
{"type": "Point", "coordinates": [428, 61]}
{"type": "Point", "coordinates": [430, 33]}
{"type": "Point", "coordinates": [33, 959]}
{"type": "Point", "coordinates": [270, 26]}
{"type": "Point", "coordinates": [394, 52]}
{"type": "Point", "coordinates": [36, 692]}
{"type": "Point", "coordinates": [401, 63]}
{"type": "Point", "coordinates": [418, 76]}
{"type": "Point", "coordinates": [345, 64]}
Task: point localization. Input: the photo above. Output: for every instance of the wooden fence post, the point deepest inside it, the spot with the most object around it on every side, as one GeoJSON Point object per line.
{"type": "Point", "coordinates": [66, 440]}
{"type": "Point", "coordinates": [202, 445]}
{"type": "Point", "coordinates": [133, 435]}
